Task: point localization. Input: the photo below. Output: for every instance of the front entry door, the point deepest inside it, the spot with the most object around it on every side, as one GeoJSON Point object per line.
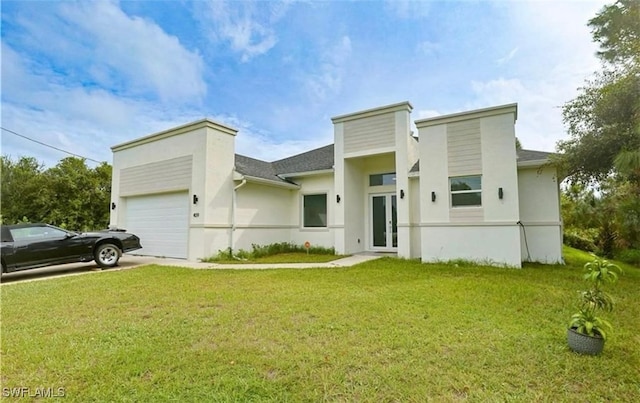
{"type": "Point", "coordinates": [384, 222]}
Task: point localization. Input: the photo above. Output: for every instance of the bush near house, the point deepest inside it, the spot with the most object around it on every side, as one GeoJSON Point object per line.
{"type": "Point", "coordinates": [294, 254]}
{"type": "Point", "coordinates": [630, 256]}
{"type": "Point", "coordinates": [581, 239]}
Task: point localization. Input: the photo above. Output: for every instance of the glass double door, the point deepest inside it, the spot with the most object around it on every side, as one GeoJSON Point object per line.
{"type": "Point", "coordinates": [384, 221]}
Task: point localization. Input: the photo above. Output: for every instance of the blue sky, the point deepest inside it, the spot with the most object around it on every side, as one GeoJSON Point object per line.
{"type": "Point", "coordinates": [84, 76]}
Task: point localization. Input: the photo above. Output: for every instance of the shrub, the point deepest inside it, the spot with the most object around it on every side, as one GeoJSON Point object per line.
{"type": "Point", "coordinates": [581, 239]}
{"type": "Point", "coordinates": [278, 248]}
{"type": "Point", "coordinates": [630, 256]}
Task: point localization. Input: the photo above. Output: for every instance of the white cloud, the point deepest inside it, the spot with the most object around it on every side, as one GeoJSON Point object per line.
{"type": "Point", "coordinates": [409, 8]}
{"type": "Point", "coordinates": [86, 76]}
{"type": "Point", "coordinates": [257, 143]}
{"type": "Point", "coordinates": [508, 57]}
{"type": "Point", "coordinates": [245, 25]}
{"type": "Point", "coordinates": [98, 44]}
{"type": "Point", "coordinates": [539, 124]}
{"type": "Point", "coordinates": [139, 50]}
{"type": "Point", "coordinates": [427, 113]}
{"type": "Point", "coordinates": [327, 81]}
{"type": "Point", "coordinates": [427, 48]}
{"type": "Point", "coordinates": [555, 56]}
{"type": "Point", "coordinates": [89, 121]}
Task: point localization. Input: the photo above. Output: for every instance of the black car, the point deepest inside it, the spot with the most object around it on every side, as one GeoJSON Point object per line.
{"type": "Point", "coordinates": [27, 246]}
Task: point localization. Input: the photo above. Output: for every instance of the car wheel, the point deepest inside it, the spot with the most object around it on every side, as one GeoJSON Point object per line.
{"type": "Point", "coordinates": [107, 255]}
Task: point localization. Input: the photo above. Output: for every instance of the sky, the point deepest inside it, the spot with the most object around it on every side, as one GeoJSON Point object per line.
{"type": "Point", "coordinates": [85, 76]}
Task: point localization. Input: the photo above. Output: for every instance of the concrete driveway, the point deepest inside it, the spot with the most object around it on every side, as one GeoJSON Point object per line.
{"type": "Point", "coordinates": [126, 262]}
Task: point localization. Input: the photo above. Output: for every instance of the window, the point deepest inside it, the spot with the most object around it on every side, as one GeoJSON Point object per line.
{"type": "Point", "coordinates": [382, 179]}
{"type": "Point", "coordinates": [466, 191]}
{"type": "Point", "coordinates": [36, 233]}
{"type": "Point", "coordinates": [314, 211]}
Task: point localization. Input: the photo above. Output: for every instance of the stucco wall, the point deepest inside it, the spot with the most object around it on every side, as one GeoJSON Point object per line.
{"type": "Point", "coordinates": [352, 203]}
{"type": "Point", "coordinates": [315, 184]}
{"type": "Point", "coordinates": [434, 175]}
{"type": "Point", "coordinates": [414, 217]}
{"type": "Point", "coordinates": [212, 153]}
{"type": "Point", "coordinates": [475, 143]}
{"type": "Point", "coordinates": [484, 244]}
{"type": "Point", "coordinates": [499, 169]}
{"type": "Point", "coordinates": [262, 215]}
{"type": "Point", "coordinates": [541, 237]}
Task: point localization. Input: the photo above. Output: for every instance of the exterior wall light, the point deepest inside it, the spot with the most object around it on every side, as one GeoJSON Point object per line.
{"type": "Point", "coordinates": [113, 206]}
{"type": "Point", "coordinates": [195, 199]}
{"type": "Point", "coordinates": [433, 196]}
{"type": "Point", "coordinates": [500, 193]}
{"type": "Point", "coordinates": [337, 198]}
{"type": "Point", "coordinates": [401, 194]}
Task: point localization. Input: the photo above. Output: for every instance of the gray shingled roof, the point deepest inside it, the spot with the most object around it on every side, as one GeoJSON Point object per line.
{"type": "Point", "coordinates": [314, 160]}
{"type": "Point", "coordinates": [532, 155]}
{"type": "Point", "coordinates": [322, 158]}
{"type": "Point", "coordinates": [256, 168]}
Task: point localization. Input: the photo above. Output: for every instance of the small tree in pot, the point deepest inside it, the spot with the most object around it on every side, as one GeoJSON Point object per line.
{"type": "Point", "coordinates": [587, 331]}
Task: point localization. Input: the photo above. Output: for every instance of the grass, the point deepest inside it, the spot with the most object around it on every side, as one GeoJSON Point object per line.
{"type": "Point", "coordinates": [386, 330]}
{"type": "Point", "coordinates": [292, 257]}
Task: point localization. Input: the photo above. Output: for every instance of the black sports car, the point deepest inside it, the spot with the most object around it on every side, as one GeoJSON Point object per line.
{"type": "Point", "coordinates": [28, 246]}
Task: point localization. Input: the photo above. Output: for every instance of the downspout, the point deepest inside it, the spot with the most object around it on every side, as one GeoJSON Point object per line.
{"type": "Point", "coordinates": [233, 214]}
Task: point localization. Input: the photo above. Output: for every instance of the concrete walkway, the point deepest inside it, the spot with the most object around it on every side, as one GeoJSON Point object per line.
{"type": "Point", "coordinates": [344, 262]}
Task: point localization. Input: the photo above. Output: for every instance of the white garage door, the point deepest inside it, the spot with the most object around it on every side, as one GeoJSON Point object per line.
{"type": "Point", "coordinates": [162, 223]}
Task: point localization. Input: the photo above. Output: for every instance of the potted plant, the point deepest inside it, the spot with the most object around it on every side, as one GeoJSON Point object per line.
{"type": "Point", "coordinates": [587, 331]}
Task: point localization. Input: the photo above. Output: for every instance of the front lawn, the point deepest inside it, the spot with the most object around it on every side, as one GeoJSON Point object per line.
{"type": "Point", "coordinates": [386, 330]}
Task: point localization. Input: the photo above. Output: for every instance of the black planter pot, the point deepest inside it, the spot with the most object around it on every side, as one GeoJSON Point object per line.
{"type": "Point", "coordinates": [583, 344]}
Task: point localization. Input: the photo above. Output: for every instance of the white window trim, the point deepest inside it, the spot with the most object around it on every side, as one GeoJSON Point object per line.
{"type": "Point", "coordinates": [452, 192]}
{"type": "Point", "coordinates": [381, 173]}
{"type": "Point", "coordinates": [314, 193]}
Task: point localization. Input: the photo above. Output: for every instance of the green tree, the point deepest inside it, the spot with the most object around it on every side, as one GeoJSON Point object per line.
{"type": "Point", "coordinates": [70, 195]}
{"type": "Point", "coordinates": [603, 121]}
{"type": "Point", "coordinates": [603, 124]}
{"type": "Point", "coordinates": [21, 191]}
{"type": "Point", "coordinates": [617, 29]}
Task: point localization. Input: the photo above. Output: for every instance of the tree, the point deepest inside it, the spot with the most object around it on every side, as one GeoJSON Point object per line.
{"type": "Point", "coordinates": [21, 189]}
{"type": "Point", "coordinates": [70, 195]}
{"type": "Point", "coordinates": [603, 121]}
{"type": "Point", "coordinates": [617, 30]}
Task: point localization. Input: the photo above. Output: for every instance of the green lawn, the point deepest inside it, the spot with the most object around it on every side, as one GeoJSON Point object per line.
{"type": "Point", "coordinates": [387, 330]}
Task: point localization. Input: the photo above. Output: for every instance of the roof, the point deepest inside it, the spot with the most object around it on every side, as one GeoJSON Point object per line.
{"type": "Point", "coordinates": [259, 169]}
{"type": "Point", "coordinates": [314, 160]}
{"type": "Point", "coordinates": [532, 155]}
{"type": "Point", "coordinates": [322, 159]}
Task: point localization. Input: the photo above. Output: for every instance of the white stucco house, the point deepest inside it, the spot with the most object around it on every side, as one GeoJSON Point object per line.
{"type": "Point", "coordinates": [459, 190]}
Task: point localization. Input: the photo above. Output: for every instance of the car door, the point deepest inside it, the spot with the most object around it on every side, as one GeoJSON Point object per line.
{"type": "Point", "coordinates": [41, 245]}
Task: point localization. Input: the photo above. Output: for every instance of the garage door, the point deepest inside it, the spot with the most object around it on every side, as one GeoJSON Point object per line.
{"type": "Point", "coordinates": [162, 223]}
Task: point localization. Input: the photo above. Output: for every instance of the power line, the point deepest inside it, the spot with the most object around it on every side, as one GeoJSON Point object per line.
{"type": "Point", "coordinates": [48, 145]}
